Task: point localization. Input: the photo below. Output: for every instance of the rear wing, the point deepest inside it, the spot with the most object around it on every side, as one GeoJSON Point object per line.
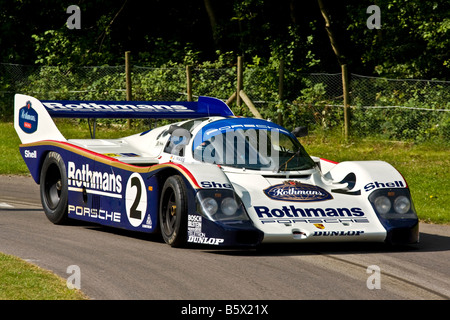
{"type": "Point", "coordinates": [205, 107]}
{"type": "Point", "coordinates": [33, 118]}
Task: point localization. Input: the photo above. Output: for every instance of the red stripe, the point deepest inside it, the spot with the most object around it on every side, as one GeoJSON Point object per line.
{"type": "Point", "coordinates": [186, 171]}
{"type": "Point", "coordinates": [179, 166]}
{"type": "Point", "coordinates": [330, 161]}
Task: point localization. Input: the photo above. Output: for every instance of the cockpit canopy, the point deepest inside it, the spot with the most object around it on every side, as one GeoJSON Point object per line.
{"type": "Point", "coordinates": [251, 144]}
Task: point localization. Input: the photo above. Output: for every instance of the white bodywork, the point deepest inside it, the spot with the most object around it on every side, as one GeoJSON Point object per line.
{"type": "Point", "coordinates": [286, 225]}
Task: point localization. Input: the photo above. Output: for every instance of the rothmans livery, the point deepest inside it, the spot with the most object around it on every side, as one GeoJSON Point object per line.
{"type": "Point", "coordinates": [214, 179]}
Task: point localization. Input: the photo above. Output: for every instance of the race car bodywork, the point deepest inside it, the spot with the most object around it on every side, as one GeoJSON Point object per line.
{"type": "Point", "coordinates": [213, 179]}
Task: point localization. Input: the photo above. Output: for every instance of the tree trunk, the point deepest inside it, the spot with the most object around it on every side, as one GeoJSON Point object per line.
{"type": "Point", "coordinates": [341, 60]}
{"type": "Point", "coordinates": [329, 30]}
{"type": "Point", "coordinates": [212, 22]}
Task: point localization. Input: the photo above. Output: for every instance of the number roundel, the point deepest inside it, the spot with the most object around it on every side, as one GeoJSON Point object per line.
{"type": "Point", "coordinates": [136, 200]}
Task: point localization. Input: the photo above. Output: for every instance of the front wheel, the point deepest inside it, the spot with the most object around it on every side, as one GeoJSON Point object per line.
{"type": "Point", "coordinates": [53, 188]}
{"type": "Point", "coordinates": [173, 212]}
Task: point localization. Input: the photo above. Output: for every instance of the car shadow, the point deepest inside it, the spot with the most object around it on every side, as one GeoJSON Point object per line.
{"type": "Point", "coordinates": [428, 243]}
{"type": "Point", "coordinates": [153, 237]}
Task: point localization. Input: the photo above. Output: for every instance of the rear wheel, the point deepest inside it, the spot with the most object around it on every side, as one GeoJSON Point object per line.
{"type": "Point", "coordinates": [173, 212]}
{"type": "Point", "coordinates": [53, 188]}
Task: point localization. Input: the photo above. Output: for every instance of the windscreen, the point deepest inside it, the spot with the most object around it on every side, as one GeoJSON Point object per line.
{"type": "Point", "coordinates": [257, 145]}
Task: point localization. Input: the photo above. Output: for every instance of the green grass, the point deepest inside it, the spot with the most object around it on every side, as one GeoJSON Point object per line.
{"type": "Point", "coordinates": [11, 161]}
{"type": "Point", "coordinates": [20, 280]}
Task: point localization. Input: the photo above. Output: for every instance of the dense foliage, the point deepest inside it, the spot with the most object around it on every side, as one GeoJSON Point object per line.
{"type": "Point", "coordinates": [413, 40]}
{"type": "Point", "coordinates": [165, 36]}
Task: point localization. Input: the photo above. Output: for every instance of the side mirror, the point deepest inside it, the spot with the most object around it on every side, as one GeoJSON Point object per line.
{"type": "Point", "coordinates": [173, 128]}
{"type": "Point", "coordinates": [300, 132]}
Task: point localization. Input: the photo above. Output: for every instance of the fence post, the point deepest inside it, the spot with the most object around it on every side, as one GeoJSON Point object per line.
{"type": "Point", "coordinates": [188, 83]}
{"type": "Point", "coordinates": [250, 104]}
{"type": "Point", "coordinates": [346, 94]}
{"type": "Point", "coordinates": [239, 81]}
{"type": "Point", "coordinates": [128, 80]}
{"type": "Point", "coordinates": [231, 98]}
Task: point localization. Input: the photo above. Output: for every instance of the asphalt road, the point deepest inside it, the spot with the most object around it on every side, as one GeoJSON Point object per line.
{"type": "Point", "coordinates": [121, 265]}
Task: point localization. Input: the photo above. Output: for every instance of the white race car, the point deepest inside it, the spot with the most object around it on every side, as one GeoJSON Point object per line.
{"type": "Point", "coordinates": [213, 179]}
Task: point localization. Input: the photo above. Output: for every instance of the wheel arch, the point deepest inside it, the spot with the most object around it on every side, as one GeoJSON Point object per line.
{"type": "Point", "coordinates": [191, 186]}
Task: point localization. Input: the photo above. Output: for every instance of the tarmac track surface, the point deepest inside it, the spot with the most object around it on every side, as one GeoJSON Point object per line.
{"type": "Point", "coordinates": [116, 264]}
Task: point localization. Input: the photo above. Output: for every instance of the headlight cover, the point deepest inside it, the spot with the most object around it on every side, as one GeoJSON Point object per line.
{"type": "Point", "coordinates": [382, 204]}
{"type": "Point", "coordinates": [402, 205]}
{"type": "Point", "coordinates": [220, 205]}
{"type": "Point", "coordinates": [229, 206]}
{"type": "Point", "coordinates": [209, 206]}
{"type": "Point", "coordinates": [393, 203]}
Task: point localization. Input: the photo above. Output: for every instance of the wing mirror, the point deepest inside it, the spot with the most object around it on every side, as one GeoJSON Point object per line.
{"type": "Point", "coordinates": [300, 132]}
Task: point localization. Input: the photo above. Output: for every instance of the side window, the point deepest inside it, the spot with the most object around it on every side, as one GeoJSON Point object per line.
{"type": "Point", "coordinates": [179, 138]}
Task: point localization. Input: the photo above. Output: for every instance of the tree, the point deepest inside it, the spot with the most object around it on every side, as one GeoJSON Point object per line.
{"type": "Point", "coordinates": [341, 59]}
{"type": "Point", "coordinates": [413, 40]}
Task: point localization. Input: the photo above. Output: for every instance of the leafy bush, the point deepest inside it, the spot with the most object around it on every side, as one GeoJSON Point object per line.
{"type": "Point", "coordinates": [314, 100]}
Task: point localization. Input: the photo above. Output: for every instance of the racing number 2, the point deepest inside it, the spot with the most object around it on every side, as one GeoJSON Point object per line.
{"type": "Point", "coordinates": [135, 200]}
{"type": "Point", "coordinates": [134, 212]}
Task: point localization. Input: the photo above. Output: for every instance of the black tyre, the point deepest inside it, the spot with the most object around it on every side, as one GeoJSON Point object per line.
{"type": "Point", "coordinates": [54, 188]}
{"type": "Point", "coordinates": [173, 212]}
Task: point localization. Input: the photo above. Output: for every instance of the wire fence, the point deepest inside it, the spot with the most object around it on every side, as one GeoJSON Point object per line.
{"type": "Point", "coordinates": [398, 109]}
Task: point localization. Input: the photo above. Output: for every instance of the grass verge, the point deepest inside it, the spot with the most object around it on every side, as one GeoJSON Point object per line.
{"type": "Point", "coordinates": [20, 280]}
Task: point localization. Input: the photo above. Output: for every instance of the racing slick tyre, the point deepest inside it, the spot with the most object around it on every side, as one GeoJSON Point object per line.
{"type": "Point", "coordinates": [53, 188]}
{"type": "Point", "coordinates": [173, 212]}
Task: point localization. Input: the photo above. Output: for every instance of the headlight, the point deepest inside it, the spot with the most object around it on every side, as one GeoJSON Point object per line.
{"type": "Point", "coordinates": [229, 206]}
{"type": "Point", "coordinates": [220, 205]}
{"type": "Point", "coordinates": [402, 204]}
{"type": "Point", "coordinates": [382, 204]}
{"type": "Point", "coordinates": [209, 206]}
{"type": "Point", "coordinates": [393, 203]}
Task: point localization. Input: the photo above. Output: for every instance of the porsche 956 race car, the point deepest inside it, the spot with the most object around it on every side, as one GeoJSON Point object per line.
{"type": "Point", "coordinates": [213, 179]}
